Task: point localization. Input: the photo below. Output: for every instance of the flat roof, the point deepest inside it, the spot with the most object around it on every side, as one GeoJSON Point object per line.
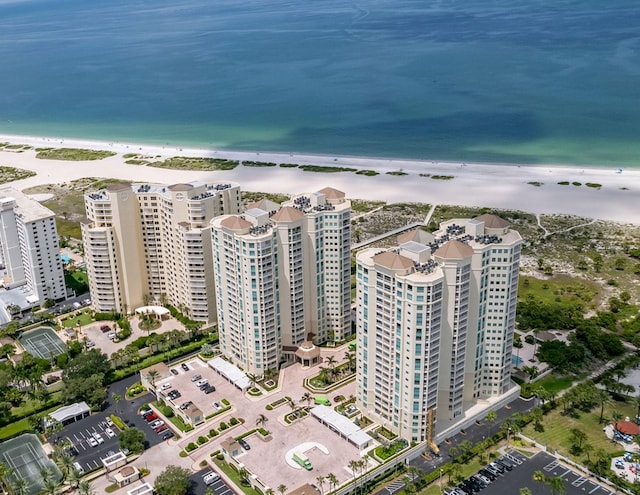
{"type": "Point", "coordinates": [342, 425]}
{"type": "Point", "coordinates": [234, 374]}
{"type": "Point", "coordinates": [71, 411]}
{"type": "Point", "coordinates": [28, 209]}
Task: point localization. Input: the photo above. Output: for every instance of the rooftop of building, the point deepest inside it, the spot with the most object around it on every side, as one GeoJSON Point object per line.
{"type": "Point", "coordinates": [287, 214]}
{"type": "Point", "coordinates": [28, 209]}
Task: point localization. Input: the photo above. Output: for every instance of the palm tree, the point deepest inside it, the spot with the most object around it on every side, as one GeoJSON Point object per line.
{"type": "Point", "coordinates": [490, 418]}
{"type": "Point", "coordinates": [261, 421]}
{"type": "Point", "coordinates": [320, 480]}
{"type": "Point", "coordinates": [526, 491]}
{"type": "Point", "coordinates": [152, 376]}
{"type": "Point", "coordinates": [333, 481]}
{"type": "Point", "coordinates": [45, 475]}
{"type": "Point", "coordinates": [603, 398]}
{"type": "Point", "coordinates": [556, 484]}
{"type": "Point", "coordinates": [268, 491]}
{"type": "Point", "coordinates": [51, 485]}
{"type": "Point", "coordinates": [65, 463]}
{"type": "Point", "coordinates": [74, 478]}
{"type": "Point", "coordinates": [351, 359]}
{"type": "Point", "coordinates": [84, 488]}
{"type": "Point", "coordinates": [116, 398]}
{"type": "Point", "coordinates": [282, 488]}
{"type": "Point", "coordinates": [209, 491]}
{"type": "Point", "coordinates": [331, 362]}
{"type": "Point", "coordinates": [354, 465]}
{"type": "Point", "coordinates": [307, 397]}
{"type": "Point", "coordinates": [252, 379]}
{"type": "Point", "coordinates": [5, 472]}
{"type": "Point", "coordinates": [19, 487]}
{"type": "Point", "coordinates": [539, 477]}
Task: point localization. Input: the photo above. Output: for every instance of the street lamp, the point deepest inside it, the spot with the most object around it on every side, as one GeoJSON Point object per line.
{"type": "Point", "coordinates": [440, 480]}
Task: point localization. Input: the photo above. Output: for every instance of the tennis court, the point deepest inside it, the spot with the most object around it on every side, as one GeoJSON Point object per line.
{"type": "Point", "coordinates": [25, 456]}
{"type": "Point", "coordinates": [42, 342]}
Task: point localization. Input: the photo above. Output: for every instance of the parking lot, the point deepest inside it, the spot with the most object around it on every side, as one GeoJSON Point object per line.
{"type": "Point", "coordinates": [198, 486]}
{"type": "Point", "coordinates": [189, 391]}
{"type": "Point", "coordinates": [78, 433]}
{"type": "Point", "coordinates": [522, 476]}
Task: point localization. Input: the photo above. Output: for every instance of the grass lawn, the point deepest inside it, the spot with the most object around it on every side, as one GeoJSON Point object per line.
{"type": "Point", "coordinates": [84, 318]}
{"type": "Point", "coordinates": [77, 280]}
{"type": "Point", "coordinates": [233, 474]}
{"type": "Point", "coordinates": [558, 288]}
{"type": "Point", "coordinates": [14, 429]}
{"type": "Point", "coordinates": [557, 428]}
{"type": "Point", "coordinates": [554, 384]}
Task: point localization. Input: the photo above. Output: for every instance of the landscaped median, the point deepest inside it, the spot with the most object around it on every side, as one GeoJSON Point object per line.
{"type": "Point", "coordinates": [213, 432]}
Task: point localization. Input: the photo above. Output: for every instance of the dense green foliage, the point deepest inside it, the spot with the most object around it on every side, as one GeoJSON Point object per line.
{"type": "Point", "coordinates": [132, 439]}
{"type": "Point", "coordinates": [173, 480]}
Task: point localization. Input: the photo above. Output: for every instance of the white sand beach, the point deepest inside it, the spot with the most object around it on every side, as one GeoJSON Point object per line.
{"type": "Point", "coordinates": [473, 184]}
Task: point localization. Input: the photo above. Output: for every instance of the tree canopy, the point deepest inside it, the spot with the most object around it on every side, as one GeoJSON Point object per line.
{"type": "Point", "coordinates": [173, 480]}
{"type": "Point", "coordinates": [132, 439]}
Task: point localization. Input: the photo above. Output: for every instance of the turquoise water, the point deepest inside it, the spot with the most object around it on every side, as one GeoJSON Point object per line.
{"type": "Point", "coordinates": [551, 81]}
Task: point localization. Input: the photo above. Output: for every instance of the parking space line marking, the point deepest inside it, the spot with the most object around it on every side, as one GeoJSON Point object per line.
{"type": "Point", "coordinates": [550, 466]}
{"type": "Point", "coordinates": [579, 481]}
{"type": "Point", "coordinates": [595, 489]}
{"type": "Point", "coordinates": [565, 473]}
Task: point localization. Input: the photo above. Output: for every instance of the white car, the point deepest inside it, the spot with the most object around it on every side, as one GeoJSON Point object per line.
{"type": "Point", "coordinates": [109, 432]}
{"type": "Point", "coordinates": [217, 406]}
{"type": "Point", "coordinates": [108, 421]}
{"type": "Point", "coordinates": [166, 386]}
{"type": "Point", "coordinates": [92, 441]}
{"type": "Point", "coordinates": [210, 477]}
{"type": "Point", "coordinates": [156, 423]}
{"type": "Point", "coordinates": [98, 437]}
{"type": "Point", "coordinates": [111, 335]}
{"type": "Point", "coordinates": [202, 382]}
{"type": "Point", "coordinates": [90, 344]}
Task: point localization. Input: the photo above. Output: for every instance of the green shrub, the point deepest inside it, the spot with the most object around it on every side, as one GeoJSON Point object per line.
{"type": "Point", "coordinates": [213, 432]}
{"type": "Point", "coordinates": [118, 422]}
{"type": "Point", "coordinates": [269, 407]}
{"type": "Point", "coordinates": [223, 426]}
{"type": "Point", "coordinates": [167, 411]}
{"type": "Point", "coordinates": [191, 447]}
{"type": "Point", "coordinates": [233, 421]}
{"type": "Point", "coordinates": [220, 456]}
{"type": "Point", "coordinates": [225, 402]}
{"type": "Point", "coordinates": [202, 440]}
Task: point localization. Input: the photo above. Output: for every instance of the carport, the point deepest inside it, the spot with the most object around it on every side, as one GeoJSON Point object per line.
{"type": "Point", "coordinates": [231, 372]}
{"type": "Point", "coordinates": [342, 426]}
{"type": "Point", "coordinates": [70, 414]}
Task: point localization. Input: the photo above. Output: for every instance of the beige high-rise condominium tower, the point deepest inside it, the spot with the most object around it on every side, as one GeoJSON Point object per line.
{"type": "Point", "coordinates": [152, 242]}
{"type": "Point", "coordinates": [435, 323]}
{"type": "Point", "coordinates": [282, 277]}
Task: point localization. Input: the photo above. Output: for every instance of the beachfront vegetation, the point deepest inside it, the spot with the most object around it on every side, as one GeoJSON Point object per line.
{"type": "Point", "coordinates": [9, 174]}
{"type": "Point", "coordinates": [191, 163]}
{"type": "Point", "coordinates": [251, 197]}
{"type": "Point", "coordinates": [363, 205]}
{"type": "Point", "coordinates": [68, 202]}
{"type": "Point", "coordinates": [536, 183]}
{"type": "Point", "coordinates": [289, 165]}
{"type": "Point", "coordinates": [368, 173]}
{"type": "Point", "coordinates": [326, 169]}
{"type": "Point", "coordinates": [18, 148]}
{"type": "Point", "coordinates": [397, 172]}
{"type": "Point", "coordinates": [250, 163]}
{"type": "Point", "coordinates": [72, 154]}
{"type": "Point", "coordinates": [442, 177]}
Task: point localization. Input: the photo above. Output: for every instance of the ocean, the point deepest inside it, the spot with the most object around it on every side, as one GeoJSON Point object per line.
{"type": "Point", "coordinates": [508, 81]}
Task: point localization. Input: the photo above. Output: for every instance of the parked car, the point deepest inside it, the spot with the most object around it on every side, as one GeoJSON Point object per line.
{"type": "Point", "coordinates": [108, 421]}
{"type": "Point", "coordinates": [166, 435]}
{"type": "Point", "coordinates": [156, 423]}
{"type": "Point", "coordinates": [196, 377]}
{"type": "Point", "coordinates": [174, 394]}
{"type": "Point", "coordinates": [166, 386]}
{"type": "Point", "coordinates": [210, 477]}
{"type": "Point", "coordinates": [109, 432]}
{"type": "Point", "coordinates": [243, 443]}
{"type": "Point", "coordinates": [184, 366]}
{"type": "Point", "coordinates": [208, 389]}
{"type": "Point", "coordinates": [497, 467]}
{"type": "Point", "coordinates": [151, 417]}
{"type": "Point", "coordinates": [92, 441]}
{"type": "Point", "coordinates": [184, 405]}
{"type": "Point", "coordinates": [145, 412]}
{"type": "Point", "coordinates": [505, 464]}
{"type": "Point", "coordinates": [488, 474]}
{"type": "Point", "coordinates": [161, 428]}
{"type": "Point", "coordinates": [217, 406]}
{"type": "Point", "coordinates": [111, 335]}
{"type": "Point", "coordinates": [174, 371]}
{"type": "Point", "coordinates": [90, 344]}
{"type": "Point", "coordinates": [482, 481]}
{"type": "Point", "coordinates": [78, 468]}
{"type": "Point", "coordinates": [105, 328]}
{"type": "Point", "coordinates": [98, 437]}
{"type": "Point", "coordinates": [202, 382]}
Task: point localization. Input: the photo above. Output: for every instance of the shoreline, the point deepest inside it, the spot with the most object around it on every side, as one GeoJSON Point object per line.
{"type": "Point", "coordinates": [504, 186]}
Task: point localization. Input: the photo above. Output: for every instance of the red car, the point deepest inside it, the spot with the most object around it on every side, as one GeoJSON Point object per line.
{"type": "Point", "coordinates": [151, 417]}
{"type": "Point", "coordinates": [160, 429]}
